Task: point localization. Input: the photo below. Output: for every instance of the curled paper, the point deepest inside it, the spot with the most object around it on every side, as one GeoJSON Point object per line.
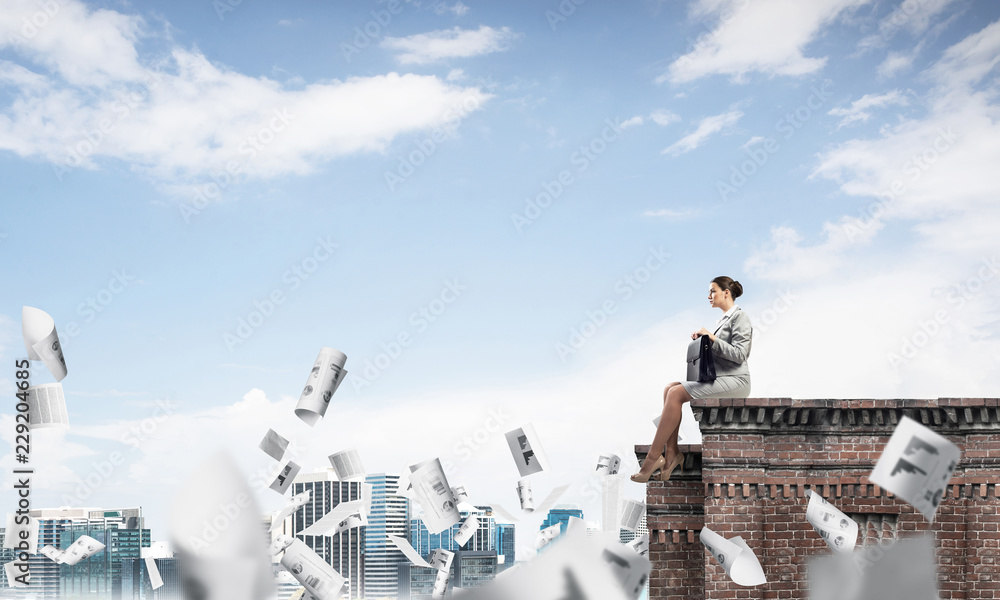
{"type": "Point", "coordinates": [546, 535]}
{"type": "Point", "coordinates": [325, 377]}
{"type": "Point", "coordinates": [916, 465]}
{"type": "Point", "coordinates": [318, 577]}
{"type": "Point", "coordinates": [83, 547]}
{"type": "Point", "coordinates": [838, 530]}
{"type": "Point", "coordinates": [294, 503]}
{"type": "Point", "coordinates": [608, 464]}
{"type": "Point", "coordinates": [467, 529]}
{"type": "Point", "coordinates": [735, 557]}
{"type": "Point", "coordinates": [430, 489]}
{"type": "Point", "coordinates": [41, 340]}
{"type": "Point", "coordinates": [524, 495]}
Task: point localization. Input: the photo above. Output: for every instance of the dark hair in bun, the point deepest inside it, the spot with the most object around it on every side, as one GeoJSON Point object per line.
{"type": "Point", "coordinates": [728, 283]}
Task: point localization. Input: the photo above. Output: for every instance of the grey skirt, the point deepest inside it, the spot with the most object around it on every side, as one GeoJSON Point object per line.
{"type": "Point", "coordinates": [727, 386]}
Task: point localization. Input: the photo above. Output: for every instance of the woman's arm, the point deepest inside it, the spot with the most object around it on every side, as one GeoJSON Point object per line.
{"type": "Point", "coordinates": [737, 349]}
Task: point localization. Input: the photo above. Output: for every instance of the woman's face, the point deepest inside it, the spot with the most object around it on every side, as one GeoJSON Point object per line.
{"type": "Point", "coordinates": [716, 295]}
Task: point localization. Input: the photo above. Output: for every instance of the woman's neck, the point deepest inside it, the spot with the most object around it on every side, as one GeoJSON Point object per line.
{"type": "Point", "coordinates": [725, 307]}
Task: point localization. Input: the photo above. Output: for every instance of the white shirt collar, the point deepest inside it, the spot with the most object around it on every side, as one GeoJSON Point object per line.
{"type": "Point", "coordinates": [728, 314]}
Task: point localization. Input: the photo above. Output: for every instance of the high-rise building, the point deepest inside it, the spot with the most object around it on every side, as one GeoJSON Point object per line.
{"type": "Point", "coordinates": [344, 551]}
{"type": "Point", "coordinates": [389, 515]}
{"type": "Point", "coordinates": [472, 569]}
{"type": "Point", "coordinates": [504, 544]}
{"type": "Point", "coordinates": [136, 584]}
{"type": "Point", "coordinates": [483, 540]}
{"type": "Point", "coordinates": [6, 555]}
{"type": "Point", "coordinates": [560, 514]}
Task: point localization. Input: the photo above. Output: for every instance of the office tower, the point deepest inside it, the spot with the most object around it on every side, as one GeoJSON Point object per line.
{"type": "Point", "coordinates": [416, 583]}
{"type": "Point", "coordinates": [136, 584]}
{"type": "Point", "coordinates": [484, 539]}
{"type": "Point", "coordinates": [504, 537]}
{"type": "Point", "coordinates": [6, 555]}
{"type": "Point", "coordinates": [389, 515]}
{"type": "Point", "coordinates": [612, 487]}
{"type": "Point", "coordinates": [473, 568]}
{"type": "Point", "coordinates": [560, 514]}
{"type": "Point", "coordinates": [343, 551]}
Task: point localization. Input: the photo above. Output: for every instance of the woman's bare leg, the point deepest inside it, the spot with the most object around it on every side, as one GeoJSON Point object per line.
{"type": "Point", "coordinates": [665, 439]}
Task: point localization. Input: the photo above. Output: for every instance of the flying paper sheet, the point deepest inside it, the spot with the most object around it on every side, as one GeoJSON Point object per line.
{"type": "Point", "coordinates": [15, 525]}
{"type": "Point", "coordinates": [215, 526]}
{"type": "Point", "coordinates": [432, 492]}
{"type": "Point", "coordinates": [294, 503]}
{"type": "Point", "coordinates": [274, 445]}
{"type": "Point", "coordinates": [631, 569]}
{"type": "Point", "coordinates": [838, 530]}
{"type": "Point", "coordinates": [524, 495]}
{"type": "Point", "coordinates": [550, 500]}
{"type": "Point", "coordinates": [916, 465]}
{"type": "Point", "coordinates": [462, 498]}
{"type": "Point", "coordinates": [41, 340]}
{"type": "Point", "coordinates": [155, 580]}
{"type": "Point", "coordinates": [632, 512]}
{"type": "Point", "coordinates": [334, 521]}
{"type": "Point", "coordinates": [466, 531]}
{"type": "Point", "coordinates": [83, 547]}
{"type": "Point", "coordinates": [12, 572]}
{"type": "Point", "coordinates": [441, 584]}
{"type": "Point", "coordinates": [315, 574]}
{"type": "Point", "coordinates": [409, 551]}
{"type": "Point", "coordinates": [608, 464]}
{"type": "Point", "coordinates": [527, 450]}
{"type": "Point", "coordinates": [284, 478]}
{"type": "Point", "coordinates": [347, 464]}
{"type": "Point", "coordinates": [738, 560]}
{"type": "Point", "coordinates": [640, 544]}
{"type": "Point", "coordinates": [47, 406]}
{"type": "Point", "coordinates": [547, 535]}
{"type": "Point", "coordinates": [441, 559]}
{"type": "Point", "coordinates": [903, 570]}
{"type": "Point", "coordinates": [324, 379]}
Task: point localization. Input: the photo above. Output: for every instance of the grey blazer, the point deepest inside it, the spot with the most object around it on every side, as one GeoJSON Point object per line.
{"type": "Point", "coordinates": [732, 344]}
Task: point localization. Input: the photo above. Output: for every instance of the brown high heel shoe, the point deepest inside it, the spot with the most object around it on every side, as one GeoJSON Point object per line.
{"type": "Point", "coordinates": [641, 477]}
{"type": "Point", "coordinates": [676, 462]}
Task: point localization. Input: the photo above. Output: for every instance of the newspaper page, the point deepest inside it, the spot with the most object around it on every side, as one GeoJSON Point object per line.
{"type": "Point", "coordinates": [315, 574]}
{"type": "Point", "coordinates": [41, 340]}
{"type": "Point", "coordinates": [524, 495]}
{"type": "Point", "coordinates": [916, 465]}
{"type": "Point", "coordinates": [632, 512]}
{"type": "Point", "coordinates": [546, 535]}
{"type": "Point", "coordinates": [735, 557]}
{"type": "Point", "coordinates": [527, 450]}
{"type": "Point", "coordinates": [47, 406]}
{"type": "Point", "coordinates": [331, 521]}
{"type": "Point", "coordinates": [432, 492]}
{"type": "Point", "coordinates": [608, 464]}
{"type": "Point", "coordinates": [15, 525]}
{"type": "Point", "coordinates": [83, 547]}
{"type": "Point", "coordinates": [274, 445]}
{"type": "Point", "coordinates": [285, 476]}
{"type": "Point", "coordinates": [467, 530]}
{"type": "Point", "coordinates": [347, 464]}
{"type": "Point", "coordinates": [324, 379]}
{"type": "Point", "coordinates": [640, 544]}
{"type": "Point", "coordinates": [409, 551]}
{"type": "Point", "coordinates": [838, 530]}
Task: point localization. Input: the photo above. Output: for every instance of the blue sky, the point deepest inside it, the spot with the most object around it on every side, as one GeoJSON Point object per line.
{"type": "Point", "coordinates": [648, 111]}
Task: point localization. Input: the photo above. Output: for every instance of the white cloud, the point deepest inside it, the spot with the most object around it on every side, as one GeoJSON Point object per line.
{"type": "Point", "coordinates": [455, 75]}
{"type": "Point", "coordinates": [663, 117]}
{"type": "Point", "coordinates": [914, 16]}
{"type": "Point", "coordinates": [859, 110]}
{"type": "Point", "coordinates": [706, 128]}
{"type": "Point", "coordinates": [424, 48]}
{"type": "Point", "coordinates": [670, 214]}
{"type": "Point", "coordinates": [188, 118]}
{"type": "Point", "coordinates": [896, 62]}
{"type": "Point", "coordinates": [632, 122]}
{"type": "Point", "coordinates": [458, 9]}
{"type": "Point", "coordinates": [767, 36]}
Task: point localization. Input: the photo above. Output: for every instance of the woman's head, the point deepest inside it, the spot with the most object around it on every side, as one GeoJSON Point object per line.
{"type": "Point", "coordinates": [724, 290]}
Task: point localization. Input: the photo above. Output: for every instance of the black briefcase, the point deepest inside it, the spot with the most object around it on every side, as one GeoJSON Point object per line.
{"type": "Point", "coordinates": [700, 361]}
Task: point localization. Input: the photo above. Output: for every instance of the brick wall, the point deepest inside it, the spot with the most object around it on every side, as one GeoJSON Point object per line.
{"type": "Point", "coordinates": [759, 456]}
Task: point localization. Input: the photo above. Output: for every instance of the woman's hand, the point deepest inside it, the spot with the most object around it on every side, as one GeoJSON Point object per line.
{"type": "Point", "coordinates": [703, 331]}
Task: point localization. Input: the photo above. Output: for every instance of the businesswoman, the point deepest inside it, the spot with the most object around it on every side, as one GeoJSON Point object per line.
{"type": "Point", "coordinates": [730, 348]}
